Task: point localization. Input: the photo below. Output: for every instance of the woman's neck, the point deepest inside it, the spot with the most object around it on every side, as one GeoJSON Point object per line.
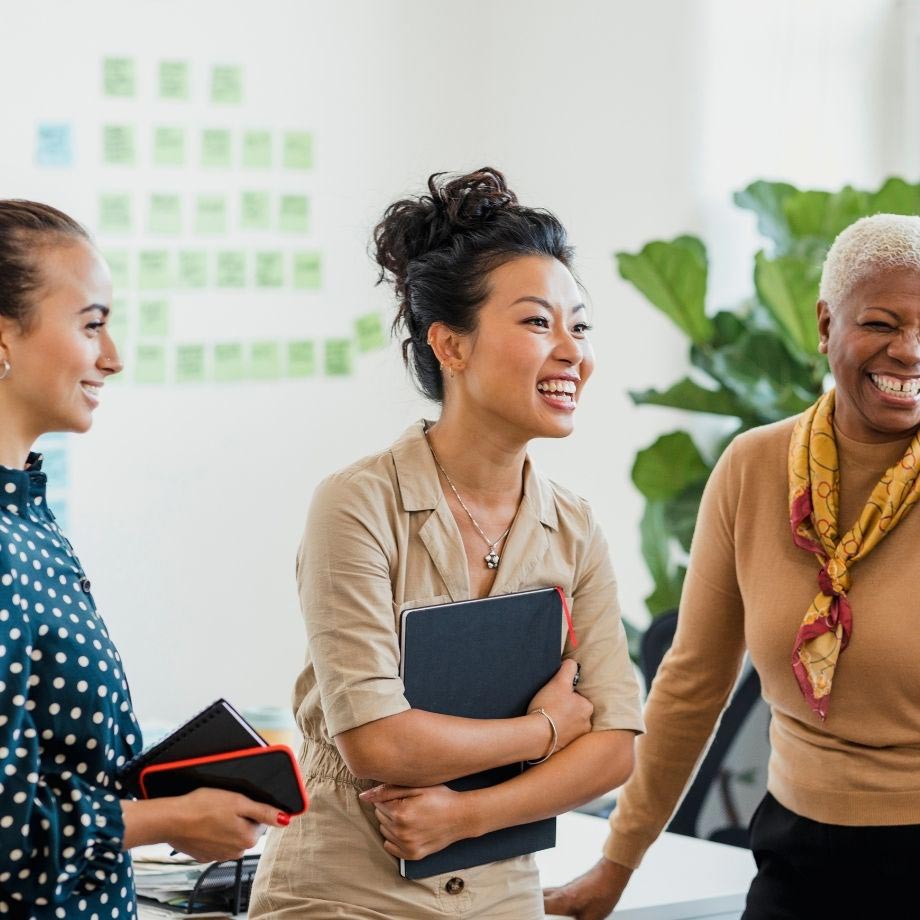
{"type": "Point", "coordinates": [15, 442]}
{"type": "Point", "coordinates": [479, 459]}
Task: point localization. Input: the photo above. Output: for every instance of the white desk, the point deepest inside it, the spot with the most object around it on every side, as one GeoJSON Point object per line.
{"type": "Point", "coordinates": [680, 877]}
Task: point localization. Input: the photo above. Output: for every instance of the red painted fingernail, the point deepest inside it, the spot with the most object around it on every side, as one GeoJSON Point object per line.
{"type": "Point", "coordinates": [283, 819]}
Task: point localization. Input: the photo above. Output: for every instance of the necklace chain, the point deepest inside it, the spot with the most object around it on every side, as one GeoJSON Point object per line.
{"type": "Point", "coordinates": [492, 558]}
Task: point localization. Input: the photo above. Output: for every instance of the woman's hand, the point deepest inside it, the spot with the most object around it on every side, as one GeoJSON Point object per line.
{"type": "Point", "coordinates": [207, 824]}
{"type": "Point", "coordinates": [569, 710]}
{"type": "Point", "coordinates": [591, 896]}
{"type": "Point", "coordinates": [416, 822]}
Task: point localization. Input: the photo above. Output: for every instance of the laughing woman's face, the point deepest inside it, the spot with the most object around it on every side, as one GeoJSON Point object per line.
{"type": "Point", "coordinates": [872, 340]}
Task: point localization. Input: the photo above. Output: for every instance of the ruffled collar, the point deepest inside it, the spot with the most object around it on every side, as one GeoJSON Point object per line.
{"type": "Point", "coordinates": [19, 488]}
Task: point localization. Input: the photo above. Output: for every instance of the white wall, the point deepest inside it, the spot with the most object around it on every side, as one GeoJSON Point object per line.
{"type": "Point", "coordinates": [630, 120]}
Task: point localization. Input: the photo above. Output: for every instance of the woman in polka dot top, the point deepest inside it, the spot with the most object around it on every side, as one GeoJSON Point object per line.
{"type": "Point", "coordinates": [66, 722]}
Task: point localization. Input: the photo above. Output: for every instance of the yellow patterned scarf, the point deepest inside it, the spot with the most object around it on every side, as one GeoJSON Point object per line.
{"type": "Point", "coordinates": [814, 502]}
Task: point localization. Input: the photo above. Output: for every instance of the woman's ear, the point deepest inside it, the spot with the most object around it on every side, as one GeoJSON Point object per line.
{"type": "Point", "coordinates": [447, 346]}
{"type": "Point", "coordinates": [824, 324]}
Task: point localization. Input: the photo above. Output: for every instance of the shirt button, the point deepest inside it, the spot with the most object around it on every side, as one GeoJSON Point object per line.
{"type": "Point", "coordinates": [85, 584]}
{"type": "Point", "coordinates": [454, 885]}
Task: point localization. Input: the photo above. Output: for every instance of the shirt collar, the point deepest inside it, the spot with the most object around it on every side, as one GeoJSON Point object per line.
{"type": "Point", "coordinates": [420, 487]}
{"type": "Point", "coordinates": [19, 488]}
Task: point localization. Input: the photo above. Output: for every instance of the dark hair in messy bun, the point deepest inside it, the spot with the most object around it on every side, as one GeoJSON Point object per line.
{"type": "Point", "coordinates": [439, 248]}
{"type": "Point", "coordinates": [25, 226]}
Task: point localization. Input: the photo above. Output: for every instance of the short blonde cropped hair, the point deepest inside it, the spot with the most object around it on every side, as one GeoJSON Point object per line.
{"type": "Point", "coordinates": [872, 244]}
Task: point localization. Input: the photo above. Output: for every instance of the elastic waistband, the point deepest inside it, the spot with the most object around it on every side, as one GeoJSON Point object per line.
{"type": "Point", "coordinates": [323, 761]}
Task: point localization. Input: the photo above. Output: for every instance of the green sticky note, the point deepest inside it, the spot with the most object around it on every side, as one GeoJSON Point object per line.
{"type": "Point", "coordinates": [298, 150]}
{"type": "Point", "coordinates": [114, 213]}
{"type": "Point", "coordinates": [255, 211]}
{"type": "Point", "coordinates": [153, 318]}
{"type": "Point", "coordinates": [301, 359]}
{"type": "Point", "coordinates": [174, 81]}
{"type": "Point", "coordinates": [190, 363]}
{"type": "Point", "coordinates": [295, 213]}
{"type": "Point", "coordinates": [228, 362]}
{"type": "Point", "coordinates": [169, 146]}
{"type": "Point", "coordinates": [264, 361]}
{"type": "Point", "coordinates": [338, 357]}
{"type": "Point", "coordinates": [165, 214]}
{"type": "Point", "coordinates": [118, 145]}
{"type": "Point", "coordinates": [269, 269]}
{"type": "Point", "coordinates": [117, 321]}
{"type": "Point", "coordinates": [118, 77]}
{"type": "Point", "coordinates": [231, 269]}
{"type": "Point", "coordinates": [119, 265]}
{"type": "Point", "coordinates": [150, 364]}
{"type": "Point", "coordinates": [370, 333]}
{"type": "Point", "coordinates": [211, 214]}
{"type": "Point", "coordinates": [192, 269]}
{"type": "Point", "coordinates": [215, 147]}
{"type": "Point", "coordinates": [307, 270]}
{"type": "Point", "coordinates": [257, 149]}
{"type": "Point", "coordinates": [153, 269]}
{"type": "Point", "coordinates": [227, 84]}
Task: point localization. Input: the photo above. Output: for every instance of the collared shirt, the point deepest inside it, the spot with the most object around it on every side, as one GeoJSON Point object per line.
{"type": "Point", "coordinates": [66, 723]}
{"type": "Point", "coordinates": [381, 538]}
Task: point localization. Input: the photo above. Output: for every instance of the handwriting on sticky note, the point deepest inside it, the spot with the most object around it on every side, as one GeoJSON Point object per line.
{"type": "Point", "coordinates": [338, 361]}
{"type": "Point", "coordinates": [370, 332]}
{"type": "Point", "coordinates": [257, 149]}
{"type": "Point", "coordinates": [231, 269]}
{"type": "Point", "coordinates": [255, 211]}
{"type": "Point", "coordinates": [153, 318]}
{"type": "Point", "coordinates": [118, 77]}
{"type": "Point", "coordinates": [307, 270]}
{"type": "Point", "coordinates": [153, 269]}
{"type": "Point", "coordinates": [118, 145]}
{"type": "Point", "coordinates": [294, 214]}
{"type": "Point", "coordinates": [301, 358]}
{"type": "Point", "coordinates": [211, 214]}
{"type": "Point", "coordinates": [115, 212]}
{"type": "Point", "coordinates": [169, 146]}
{"type": "Point", "coordinates": [192, 269]}
{"type": "Point", "coordinates": [264, 361]}
{"type": "Point", "coordinates": [228, 362]}
{"type": "Point", "coordinates": [174, 80]}
{"type": "Point", "coordinates": [54, 144]}
{"type": "Point", "coordinates": [227, 84]}
{"type": "Point", "coordinates": [165, 214]}
{"type": "Point", "coordinates": [190, 363]}
{"type": "Point", "coordinates": [269, 269]}
{"type": "Point", "coordinates": [150, 364]}
{"type": "Point", "coordinates": [216, 147]}
{"type": "Point", "coordinates": [298, 150]}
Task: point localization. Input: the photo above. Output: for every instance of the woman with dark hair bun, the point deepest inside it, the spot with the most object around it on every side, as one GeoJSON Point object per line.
{"type": "Point", "coordinates": [495, 331]}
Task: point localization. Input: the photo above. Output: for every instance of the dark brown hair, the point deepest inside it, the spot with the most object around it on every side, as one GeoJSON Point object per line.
{"type": "Point", "coordinates": [438, 249]}
{"type": "Point", "coordinates": [26, 226]}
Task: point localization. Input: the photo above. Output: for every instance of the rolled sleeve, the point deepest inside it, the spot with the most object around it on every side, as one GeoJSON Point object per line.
{"type": "Point", "coordinates": [346, 595]}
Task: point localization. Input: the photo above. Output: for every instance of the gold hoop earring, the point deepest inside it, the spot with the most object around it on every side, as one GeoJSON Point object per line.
{"type": "Point", "coordinates": [6, 368]}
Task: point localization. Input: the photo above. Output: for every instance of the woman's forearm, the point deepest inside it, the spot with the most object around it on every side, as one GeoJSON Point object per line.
{"type": "Point", "coordinates": [589, 767]}
{"type": "Point", "coordinates": [150, 821]}
{"type": "Point", "coordinates": [417, 748]}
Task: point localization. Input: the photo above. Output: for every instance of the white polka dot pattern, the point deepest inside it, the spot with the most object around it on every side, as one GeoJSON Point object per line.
{"type": "Point", "coordinates": [66, 724]}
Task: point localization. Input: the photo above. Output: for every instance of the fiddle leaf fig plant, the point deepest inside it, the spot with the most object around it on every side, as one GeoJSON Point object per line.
{"type": "Point", "coordinates": [755, 364]}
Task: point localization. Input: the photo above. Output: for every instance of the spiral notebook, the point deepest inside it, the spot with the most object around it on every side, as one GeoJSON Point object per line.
{"type": "Point", "coordinates": [217, 729]}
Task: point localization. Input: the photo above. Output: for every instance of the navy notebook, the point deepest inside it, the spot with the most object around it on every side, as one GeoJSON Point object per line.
{"type": "Point", "coordinates": [482, 659]}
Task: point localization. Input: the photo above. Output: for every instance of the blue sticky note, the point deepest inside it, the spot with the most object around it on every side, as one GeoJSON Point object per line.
{"type": "Point", "coordinates": [54, 144]}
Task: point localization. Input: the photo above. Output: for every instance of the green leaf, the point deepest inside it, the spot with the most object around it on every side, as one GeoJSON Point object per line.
{"type": "Point", "coordinates": [669, 465]}
{"type": "Point", "coordinates": [766, 199]}
{"type": "Point", "coordinates": [666, 596]}
{"type": "Point", "coordinates": [658, 555]}
{"type": "Point", "coordinates": [680, 513]}
{"type": "Point", "coordinates": [691, 396]}
{"type": "Point", "coordinates": [825, 214]}
{"type": "Point", "coordinates": [788, 287]}
{"type": "Point", "coordinates": [729, 327]}
{"type": "Point", "coordinates": [896, 197]}
{"type": "Point", "coordinates": [672, 275]}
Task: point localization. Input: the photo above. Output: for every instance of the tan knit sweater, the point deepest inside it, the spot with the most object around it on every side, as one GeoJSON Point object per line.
{"type": "Point", "coordinates": [748, 587]}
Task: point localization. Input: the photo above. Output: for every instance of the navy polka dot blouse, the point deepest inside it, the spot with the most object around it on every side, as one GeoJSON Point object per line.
{"type": "Point", "coordinates": [66, 724]}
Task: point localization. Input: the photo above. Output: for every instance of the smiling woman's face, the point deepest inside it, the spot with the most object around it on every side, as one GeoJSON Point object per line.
{"type": "Point", "coordinates": [872, 339]}
{"type": "Point", "coordinates": [59, 362]}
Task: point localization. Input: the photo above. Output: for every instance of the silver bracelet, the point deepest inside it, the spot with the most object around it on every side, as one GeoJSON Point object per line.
{"type": "Point", "coordinates": [552, 725]}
